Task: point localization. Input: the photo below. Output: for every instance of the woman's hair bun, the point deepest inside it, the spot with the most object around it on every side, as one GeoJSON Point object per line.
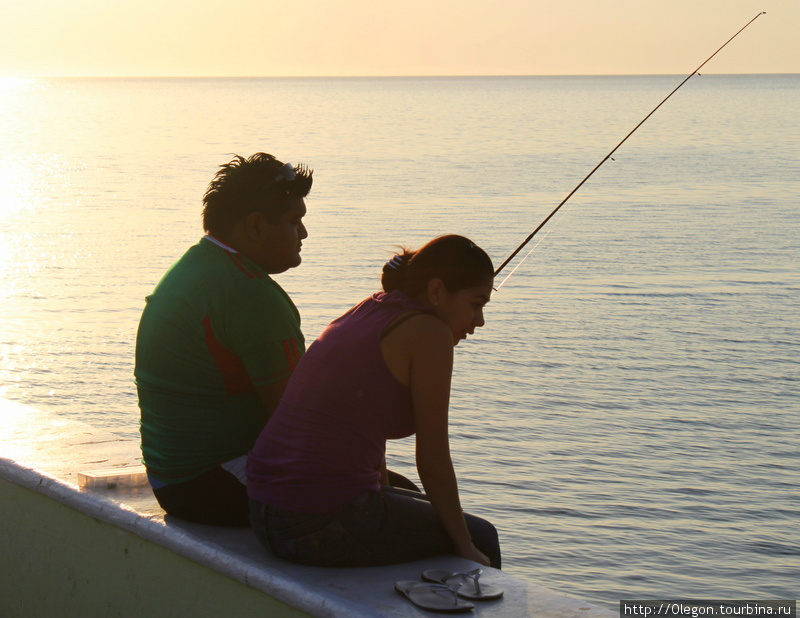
{"type": "Point", "coordinates": [394, 270]}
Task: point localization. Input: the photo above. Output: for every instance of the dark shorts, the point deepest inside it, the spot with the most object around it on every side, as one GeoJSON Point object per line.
{"type": "Point", "coordinates": [215, 497]}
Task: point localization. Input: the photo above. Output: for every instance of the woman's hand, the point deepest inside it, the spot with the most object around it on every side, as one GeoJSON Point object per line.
{"type": "Point", "coordinates": [470, 552]}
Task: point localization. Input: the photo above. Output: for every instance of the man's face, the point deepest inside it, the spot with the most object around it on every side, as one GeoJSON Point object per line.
{"type": "Point", "coordinates": [280, 242]}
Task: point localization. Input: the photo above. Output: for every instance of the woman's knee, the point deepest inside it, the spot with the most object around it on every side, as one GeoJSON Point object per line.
{"type": "Point", "coordinates": [485, 538]}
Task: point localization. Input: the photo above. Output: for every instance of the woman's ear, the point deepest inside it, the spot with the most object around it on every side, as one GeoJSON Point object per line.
{"type": "Point", "coordinates": [436, 291]}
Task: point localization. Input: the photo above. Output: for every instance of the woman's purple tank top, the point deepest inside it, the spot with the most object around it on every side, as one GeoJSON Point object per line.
{"type": "Point", "coordinates": [327, 438]}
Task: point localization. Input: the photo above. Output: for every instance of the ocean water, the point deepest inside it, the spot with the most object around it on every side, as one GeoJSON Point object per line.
{"type": "Point", "coordinates": [629, 417]}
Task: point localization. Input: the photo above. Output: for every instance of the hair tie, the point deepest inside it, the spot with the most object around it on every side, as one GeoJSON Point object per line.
{"type": "Point", "coordinates": [395, 262]}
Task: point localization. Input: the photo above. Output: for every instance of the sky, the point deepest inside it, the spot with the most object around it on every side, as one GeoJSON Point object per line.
{"type": "Point", "coordinates": [48, 38]}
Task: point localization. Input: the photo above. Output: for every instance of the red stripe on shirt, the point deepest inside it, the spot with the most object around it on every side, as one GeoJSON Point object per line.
{"type": "Point", "coordinates": [234, 375]}
{"type": "Point", "coordinates": [297, 353]}
{"type": "Point", "coordinates": [290, 349]}
{"type": "Point", "coordinates": [287, 351]}
{"type": "Point", "coordinates": [242, 265]}
{"type": "Point", "coordinates": [232, 257]}
{"type": "Point", "coordinates": [254, 272]}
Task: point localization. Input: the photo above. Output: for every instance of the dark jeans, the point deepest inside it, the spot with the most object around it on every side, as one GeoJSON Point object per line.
{"type": "Point", "coordinates": [215, 497]}
{"type": "Point", "coordinates": [376, 528]}
{"type": "Point", "coordinates": [398, 480]}
{"type": "Point", "coordinates": [218, 498]}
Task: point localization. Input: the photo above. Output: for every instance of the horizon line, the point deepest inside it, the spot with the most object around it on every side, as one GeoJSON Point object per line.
{"type": "Point", "coordinates": [395, 76]}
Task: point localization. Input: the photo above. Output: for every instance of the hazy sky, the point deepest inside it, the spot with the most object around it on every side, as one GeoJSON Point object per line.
{"type": "Point", "coordinates": [403, 37]}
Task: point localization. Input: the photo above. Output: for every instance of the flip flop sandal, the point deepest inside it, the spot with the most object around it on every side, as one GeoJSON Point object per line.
{"type": "Point", "coordinates": [470, 587]}
{"type": "Point", "coordinates": [433, 597]}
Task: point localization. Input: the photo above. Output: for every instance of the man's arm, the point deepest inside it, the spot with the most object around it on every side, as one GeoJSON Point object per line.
{"type": "Point", "coordinates": [271, 394]}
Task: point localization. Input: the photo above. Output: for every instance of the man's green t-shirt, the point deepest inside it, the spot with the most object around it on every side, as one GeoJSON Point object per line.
{"type": "Point", "coordinates": [215, 327]}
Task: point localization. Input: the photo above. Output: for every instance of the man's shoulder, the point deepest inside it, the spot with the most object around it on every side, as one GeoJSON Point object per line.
{"type": "Point", "coordinates": [213, 268]}
{"type": "Point", "coordinates": [212, 280]}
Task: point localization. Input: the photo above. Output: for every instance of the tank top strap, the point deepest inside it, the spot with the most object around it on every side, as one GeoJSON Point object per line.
{"type": "Point", "coordinates": [398, 321]}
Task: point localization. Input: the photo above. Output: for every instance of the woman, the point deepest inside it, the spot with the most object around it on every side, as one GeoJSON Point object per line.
{"type": "Point", "coordinates": [317, 474]}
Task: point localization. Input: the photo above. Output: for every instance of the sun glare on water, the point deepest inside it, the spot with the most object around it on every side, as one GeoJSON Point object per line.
{"type": "Point", "coordinates": [10, 84]}
{"type": "Point", "coordinates": [15, 189]}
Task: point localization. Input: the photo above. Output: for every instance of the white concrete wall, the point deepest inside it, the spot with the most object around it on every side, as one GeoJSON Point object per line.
{"type": "Point", "coordinates": [62, 563]}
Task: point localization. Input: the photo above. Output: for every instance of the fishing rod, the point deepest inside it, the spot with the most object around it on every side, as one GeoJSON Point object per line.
{"type": "Point", "coordinates": [609, 156]}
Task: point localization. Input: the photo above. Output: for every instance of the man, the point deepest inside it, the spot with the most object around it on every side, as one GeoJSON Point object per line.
{"type": "Point", "coordinates": [218, 340]}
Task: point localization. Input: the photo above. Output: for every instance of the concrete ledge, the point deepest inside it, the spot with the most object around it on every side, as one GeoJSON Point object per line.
{"type": "Point", "coordinates": [44, 454]}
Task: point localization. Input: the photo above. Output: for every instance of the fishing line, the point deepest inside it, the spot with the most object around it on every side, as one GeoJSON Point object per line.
{"type": "Point", "coordinates": [609, 156]}
{"type": "Point", "coordinates": [528, 254]}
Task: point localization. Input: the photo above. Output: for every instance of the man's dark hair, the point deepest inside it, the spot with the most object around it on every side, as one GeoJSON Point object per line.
{"type": "Point", "coordinates": [259, 183]}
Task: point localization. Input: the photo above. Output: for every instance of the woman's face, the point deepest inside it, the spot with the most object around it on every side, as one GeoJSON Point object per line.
{"type": "Point", "coordinates": [462, 311]}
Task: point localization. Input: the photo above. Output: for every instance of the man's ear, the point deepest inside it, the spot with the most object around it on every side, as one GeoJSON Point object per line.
{"type": "Point", "coordinates": [254, 225]}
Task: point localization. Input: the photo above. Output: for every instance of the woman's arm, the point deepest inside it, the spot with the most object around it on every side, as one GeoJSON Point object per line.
{"type": "Point", "coordinates": [430, 371]}
{"type": "Point", "coordinates": [384, 472]}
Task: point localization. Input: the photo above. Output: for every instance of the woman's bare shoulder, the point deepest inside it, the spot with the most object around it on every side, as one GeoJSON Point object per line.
{"type": "Point", "coordinates": [419, 332]}
{"type": "Point", "coordinates": [423, 325]}
{"type": "Point", "coordinates": [419, 337]}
